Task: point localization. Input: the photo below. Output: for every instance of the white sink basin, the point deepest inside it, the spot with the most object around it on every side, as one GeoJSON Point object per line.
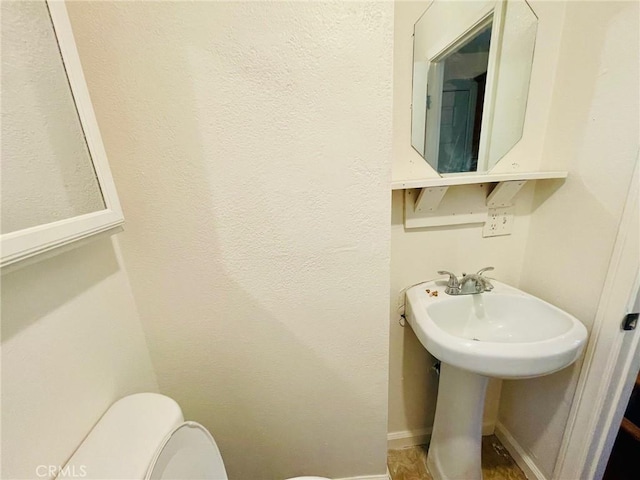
{"type": "Point", "coordinates": [504, 333]}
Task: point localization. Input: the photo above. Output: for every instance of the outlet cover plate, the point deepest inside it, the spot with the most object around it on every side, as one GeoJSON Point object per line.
{"type": "Point", "coordinates": [499, 222]}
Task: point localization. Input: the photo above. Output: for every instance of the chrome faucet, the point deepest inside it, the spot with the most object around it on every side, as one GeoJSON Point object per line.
{"type": "Point", "coordinates": [468, 284]}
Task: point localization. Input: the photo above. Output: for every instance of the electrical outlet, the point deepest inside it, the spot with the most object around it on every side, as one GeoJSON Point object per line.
{"type": "Point", "coordinates": [499, 222]}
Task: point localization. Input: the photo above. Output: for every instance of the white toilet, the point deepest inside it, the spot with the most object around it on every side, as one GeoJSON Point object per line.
{"type": "Point", "coordinates": [144, 436]}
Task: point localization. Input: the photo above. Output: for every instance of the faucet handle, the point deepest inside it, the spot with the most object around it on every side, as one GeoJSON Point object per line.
{"type": "Point", "coordinates": [482, 270]}
{"type": "Point", "coordinates": [453, 280]}
{"type": "Point", "coordinates": [486, 284]}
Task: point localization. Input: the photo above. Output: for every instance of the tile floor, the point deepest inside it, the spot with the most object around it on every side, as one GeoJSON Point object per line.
{"type": "Point", "coordinates": [411, 463]}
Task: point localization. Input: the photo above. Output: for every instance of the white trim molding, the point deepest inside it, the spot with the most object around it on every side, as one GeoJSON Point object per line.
{"type": "Point", "coordinates": [422, 436]}
{"type": "Point", "coordinates": [384, 476]}
{"type": "Point", "coordinates": [519, 454]}
{"type": "Point", "coordinates": [408, 438]}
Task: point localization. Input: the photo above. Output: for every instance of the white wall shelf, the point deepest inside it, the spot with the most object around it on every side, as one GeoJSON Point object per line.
{"type": "Point", "coordinates": [464, 198]}
{"type": "Point", "coordinates": [473, 178]}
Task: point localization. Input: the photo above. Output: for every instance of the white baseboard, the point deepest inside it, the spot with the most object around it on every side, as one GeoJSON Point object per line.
{"type": "Point", "coordinates": [385, 476]}
{"type": "Point", "coordinates": [488, 428]}
{"type": "Point", "coordinates": [409, 438]}
{"type": "Point", "coordinates": [519, 454]}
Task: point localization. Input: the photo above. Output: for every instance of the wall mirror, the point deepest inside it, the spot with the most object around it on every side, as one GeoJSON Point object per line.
{"type": "Point", "coordinates": [56, 185]}
{"type": "Point", "coordinates": [471, 71]}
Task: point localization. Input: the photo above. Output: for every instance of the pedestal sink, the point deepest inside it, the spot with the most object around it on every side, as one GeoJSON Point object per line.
{"type": "Point", "coordinates": [504, 333]}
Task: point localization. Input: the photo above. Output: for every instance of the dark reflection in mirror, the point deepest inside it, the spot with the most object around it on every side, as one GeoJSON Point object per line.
{"type": "Point", "coordinates": [463, 88]}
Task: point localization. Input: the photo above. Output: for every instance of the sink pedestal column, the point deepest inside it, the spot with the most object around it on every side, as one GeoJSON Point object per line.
{"type": "Point", "coordinates": [455, 447]}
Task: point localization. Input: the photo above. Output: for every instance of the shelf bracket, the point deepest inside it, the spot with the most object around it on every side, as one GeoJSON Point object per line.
{"type": "Point", "coordinates": [503, 194]}
{"type": "Point", "coordinates": [429, 198]}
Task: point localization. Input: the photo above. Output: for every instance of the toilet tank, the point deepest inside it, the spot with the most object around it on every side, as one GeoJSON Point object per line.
{"type": "Point", "coordinates": [125, 441]}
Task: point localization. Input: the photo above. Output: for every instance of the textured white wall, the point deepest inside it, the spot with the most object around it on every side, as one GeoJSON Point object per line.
{"type": "Point", "coordinates": [72, 344]}
{"type": "Point", "coordinates": [47, 173]}
{"type": "Point", "coordinates": [593, 132]}
{"type": "Point", "coordinates": [417, 254]}
{"type": "Point", "coordinates": [251, 147]}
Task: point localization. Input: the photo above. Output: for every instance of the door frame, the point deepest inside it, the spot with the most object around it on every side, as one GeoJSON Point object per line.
{"type": "Point", "coordinates": [612, 354]}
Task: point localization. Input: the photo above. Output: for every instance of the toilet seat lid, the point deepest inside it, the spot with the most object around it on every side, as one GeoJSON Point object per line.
{"type": "Point", "coordinates": [189, 451]}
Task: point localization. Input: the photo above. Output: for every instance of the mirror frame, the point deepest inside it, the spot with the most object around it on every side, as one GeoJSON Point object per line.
{"type": "Point", "coordinates": [29, 242]}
